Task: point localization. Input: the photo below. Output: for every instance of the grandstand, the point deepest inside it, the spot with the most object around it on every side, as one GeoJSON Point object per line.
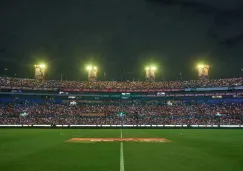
{"type": "Point", "coordinates": [180, 103]}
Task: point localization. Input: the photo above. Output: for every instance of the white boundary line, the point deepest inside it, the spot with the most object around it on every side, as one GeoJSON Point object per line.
{"type": "Point", "coordinates": [121, 156]}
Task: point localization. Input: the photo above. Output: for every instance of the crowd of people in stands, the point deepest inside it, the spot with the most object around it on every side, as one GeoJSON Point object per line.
{"type": "Point", "coordinates": [117, 112]}
{"type": "Point", "coordinates": [20, 82]}
{"type": "Point", "coordinates": [122, 112]}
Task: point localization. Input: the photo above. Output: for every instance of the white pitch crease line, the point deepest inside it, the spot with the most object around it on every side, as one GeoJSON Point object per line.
{"type": "Point", "coordinates": [121, 156]}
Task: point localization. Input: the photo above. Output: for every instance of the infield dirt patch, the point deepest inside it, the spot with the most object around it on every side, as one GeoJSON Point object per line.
{"type": "Point", "coordinates": [163, 140]}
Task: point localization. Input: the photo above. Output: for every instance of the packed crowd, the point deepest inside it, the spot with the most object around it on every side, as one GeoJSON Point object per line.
{"type": "Point", "coordinates": [128, 112]}
{"type": "Point", "coordinates": [20, 82]}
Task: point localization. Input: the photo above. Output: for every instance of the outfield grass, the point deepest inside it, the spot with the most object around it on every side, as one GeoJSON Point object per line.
{"type": "Point", "coordinates": [195, 150]}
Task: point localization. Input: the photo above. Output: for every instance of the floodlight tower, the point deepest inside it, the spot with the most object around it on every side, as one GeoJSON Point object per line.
{"type": "Point", "coordinates": [92, 72]}
{"type": "Point", "coordinates": [40, 71]}
{"type": "Point", "coordinates": [150, 73]}
{"type": "Point", "coordinates": [203, 71]}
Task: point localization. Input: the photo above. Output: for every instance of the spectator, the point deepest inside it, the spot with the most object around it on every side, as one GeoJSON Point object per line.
{"type": "Point", "coordinates": [109, 112]}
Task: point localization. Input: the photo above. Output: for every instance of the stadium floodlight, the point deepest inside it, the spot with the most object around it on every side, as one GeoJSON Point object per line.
{"type": "Point", "coordinates": [200, 66]}
{"type": "Point", "coordinates": [92, 72]}
{"type": "Point", "coordinates": [40, 71]}
{"type": "Point", "coordinates": [42, 66]}
{"type": "Point", "coordinates": [150, 73]}
{"type": "Point", "coordinates": [153, 68]}
{"type": "Point", "coordinates": [203, 71]}
{"type": "Point", "coordinates": [89, 68]}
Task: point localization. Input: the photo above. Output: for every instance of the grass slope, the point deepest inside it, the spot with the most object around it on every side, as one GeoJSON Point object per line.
{"type": "Point", "coordinates": [46, 150]}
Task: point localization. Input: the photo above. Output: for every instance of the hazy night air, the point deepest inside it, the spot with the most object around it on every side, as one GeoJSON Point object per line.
{"type": "Point", "coordinates": [121, 37]}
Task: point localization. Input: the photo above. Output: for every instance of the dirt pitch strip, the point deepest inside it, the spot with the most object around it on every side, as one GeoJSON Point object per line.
{"type": "Point", "coordinates": [156, 140]}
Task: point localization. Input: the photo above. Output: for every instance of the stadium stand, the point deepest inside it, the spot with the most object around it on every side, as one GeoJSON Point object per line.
{"type": "Point", "coordinates": [196, 102]}
{"type": "Point", "coordinates": [21, 82]}
{"type": "Point", "coordinates": [128, 112]}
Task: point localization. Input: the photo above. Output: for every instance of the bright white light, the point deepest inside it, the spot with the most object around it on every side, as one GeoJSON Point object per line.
{"type": "Point", "coordinates": [42, 66]}
{"type": "Point", "coordinates": [89, 68]}
{"type": "Point", "coordinates": [153, 68]}
{"type": "Point", "coordinates": [200, 65]}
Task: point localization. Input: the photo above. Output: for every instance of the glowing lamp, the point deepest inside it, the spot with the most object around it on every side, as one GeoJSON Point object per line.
{"type": "Point", "coordinates": [42, 66]}
{"type": "Point", "coordinates": [200, 66]}
{"type": "Point", "coordinates": [153, 68]}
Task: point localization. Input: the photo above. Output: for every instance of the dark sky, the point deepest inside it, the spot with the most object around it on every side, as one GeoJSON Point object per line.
{"type": "Point", "coordinates": [121, 35]}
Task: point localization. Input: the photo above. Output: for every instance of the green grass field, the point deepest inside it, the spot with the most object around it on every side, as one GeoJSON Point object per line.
{"type": "Point", "coordinates": [195, 150]}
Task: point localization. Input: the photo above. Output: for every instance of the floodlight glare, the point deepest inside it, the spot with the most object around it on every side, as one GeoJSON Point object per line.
{"type": "Point", "coordinates": [89, 68]}
{"type": "Point", "coordinates": [200, 66]}
{"type": "Point", "coordinates": [42, 66]}
{"type": "Point", "coordinates": [153, 68]}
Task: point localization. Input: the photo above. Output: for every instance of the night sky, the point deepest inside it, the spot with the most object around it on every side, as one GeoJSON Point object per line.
{"type": "Point", "coordinates": [121, 36]}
